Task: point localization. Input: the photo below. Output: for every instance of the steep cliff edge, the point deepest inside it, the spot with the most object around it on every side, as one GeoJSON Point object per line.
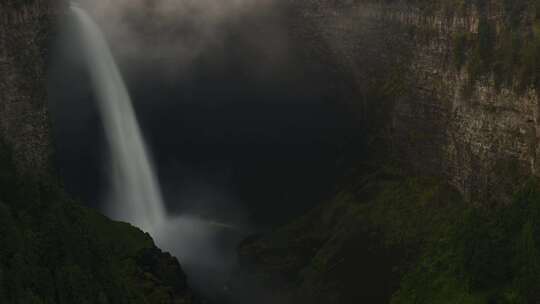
{"type": "Point", "coordinates": [450, 86]}
{"type": "Point", "coordinates": [442, 208]}
{"type": "Point", "coordinates": [54, 250]}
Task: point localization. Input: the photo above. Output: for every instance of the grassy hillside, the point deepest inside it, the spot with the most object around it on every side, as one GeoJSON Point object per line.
{"type": "Point", "coordinates": [389, 238]}
{"type": "Point", "coordinates": [56, 251]}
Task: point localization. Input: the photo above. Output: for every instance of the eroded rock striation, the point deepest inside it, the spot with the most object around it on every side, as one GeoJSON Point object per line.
{"type": "Point", "coordinates": [448, 85]}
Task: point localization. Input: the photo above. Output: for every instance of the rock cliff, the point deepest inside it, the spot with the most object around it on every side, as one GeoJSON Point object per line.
{"type": "Point", "coordinates": [441, 208]}
{"type": "Point", "coordinates": [449, 85]}
{"type": "Point", "coordinates": [24, 124]}
{"type": "Point", "coordinates": [54, 250]}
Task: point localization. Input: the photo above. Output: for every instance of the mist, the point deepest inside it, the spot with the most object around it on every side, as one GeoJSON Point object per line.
{"type": "Point", "coordinates": [171, 35]}
{"type": "Point", "coordinates": [241, 137]}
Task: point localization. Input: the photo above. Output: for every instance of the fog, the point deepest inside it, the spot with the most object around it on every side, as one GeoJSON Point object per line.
{"type": "Point", "coordinates": [172, 34]}
{"type": "Point", "coordinates": [240, 133]}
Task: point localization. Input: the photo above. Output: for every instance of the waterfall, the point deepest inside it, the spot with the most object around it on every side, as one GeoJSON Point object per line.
{"type": "Point", "coordinates": [136, 196]}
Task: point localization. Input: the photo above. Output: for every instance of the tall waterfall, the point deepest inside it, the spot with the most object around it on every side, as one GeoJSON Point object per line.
{"type": "Point", "coordinates": [136, 196]}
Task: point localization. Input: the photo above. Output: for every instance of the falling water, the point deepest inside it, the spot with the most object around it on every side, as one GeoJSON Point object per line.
{"type": "Point", "coordinates": [136, 195]}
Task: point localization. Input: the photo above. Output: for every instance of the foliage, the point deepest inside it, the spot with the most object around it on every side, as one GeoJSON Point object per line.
{"type": "Point", "coordinates": [505, 45]}
{"type": "Point", "coordinates": [56, 251]}
{"type": "Point", "coordinates": [483, 256]}
{"type": "Point", "coordinates": [448, 251]}
{"type": "Point", "coordinates": [460, 49]}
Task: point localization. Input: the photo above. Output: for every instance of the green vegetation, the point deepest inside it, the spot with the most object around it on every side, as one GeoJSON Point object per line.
{"type": "Point", "coordinates": [506, 48]}
{"type": "Point", "coordinates": [460, 49]}
{"type": "Point", "coordinates": [452, 252]}
{"type": "Point", "coordinates": [461, 254]}
{"type": "Point", "coordinates": [391, 238]}
{"type": "Point", "coordinates": [56, 251]}
{"type": "Point", "coordinates": [480, 256]}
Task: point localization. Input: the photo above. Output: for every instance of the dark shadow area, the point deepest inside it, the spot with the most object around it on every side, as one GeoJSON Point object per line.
{"type": "Point", "coordinates": [234, 139]}
{"type": "Point", "coordinates": [267, 140]}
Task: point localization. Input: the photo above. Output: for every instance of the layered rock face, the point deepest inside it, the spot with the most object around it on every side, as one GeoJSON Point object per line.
{"type": "Point", "coordinates": [396, 60]}
{"type": "Point", "coordinates": [54, 250]}
{"type": "Point", "coordinates": [439, 90]}
{"type": "Point", "coordinates": [25, 29]}
{"type": "Point", "coordinates": [485, 137]}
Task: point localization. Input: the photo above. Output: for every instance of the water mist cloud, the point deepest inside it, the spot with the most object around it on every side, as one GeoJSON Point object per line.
{"type": "Point", "coordinates": [173, 33]}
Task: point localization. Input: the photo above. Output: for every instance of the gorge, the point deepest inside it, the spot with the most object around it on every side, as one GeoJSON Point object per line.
{"type": "Point", "coordinates": [378, 151]}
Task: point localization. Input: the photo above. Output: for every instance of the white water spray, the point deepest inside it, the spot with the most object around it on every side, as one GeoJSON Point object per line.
{"type": "Point", "coordinates": [136, 195]}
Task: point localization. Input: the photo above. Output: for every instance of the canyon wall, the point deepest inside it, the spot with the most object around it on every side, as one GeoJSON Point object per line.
{"type": "Point", "coordinates": [25, 31]}
{"type": "Point", "coordinates": [487, 137]}
{"type": "Point", "coordinates": [397, 60]}
{"type": "Point", "coordinates": [446, 105]}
